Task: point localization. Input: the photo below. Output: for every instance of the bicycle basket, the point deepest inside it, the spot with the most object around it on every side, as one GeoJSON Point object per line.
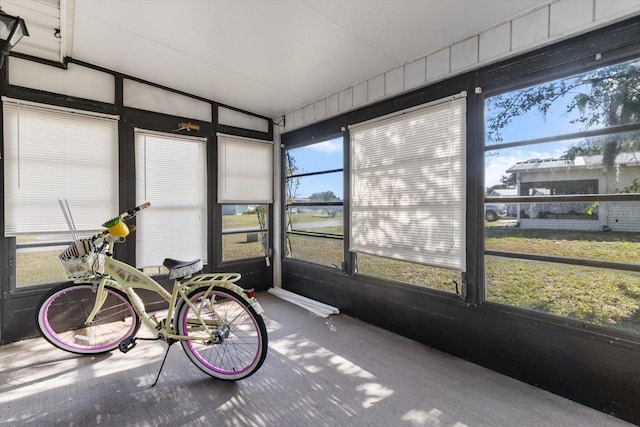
{"type": "Point", "coordinates": [81, 260]}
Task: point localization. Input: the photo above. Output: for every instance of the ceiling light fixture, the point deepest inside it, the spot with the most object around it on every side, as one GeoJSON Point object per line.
{"type": "Point", "coordinates": [12, 29]}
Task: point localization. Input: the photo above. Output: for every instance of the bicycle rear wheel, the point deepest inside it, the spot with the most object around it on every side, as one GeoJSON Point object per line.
{"type": "Point", "coordinates": [232, 343]}
{"type": "Point", "coordinates": [62, 313]}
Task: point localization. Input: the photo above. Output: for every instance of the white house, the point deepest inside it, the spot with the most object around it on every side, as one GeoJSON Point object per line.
{"type": "Point", "coordinates": [582, 175]}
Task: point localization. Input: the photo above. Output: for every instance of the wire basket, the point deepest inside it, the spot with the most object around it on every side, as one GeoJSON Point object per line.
{"type": "Point", "coordinates": [81, 260]}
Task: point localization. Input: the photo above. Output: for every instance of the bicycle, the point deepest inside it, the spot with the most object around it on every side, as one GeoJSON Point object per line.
{"type": "Point", "coordinates": [218, 323]}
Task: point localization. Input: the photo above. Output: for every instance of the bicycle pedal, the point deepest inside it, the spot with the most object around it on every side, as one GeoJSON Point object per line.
{"type": "Point", "coordinates": [127, 344]}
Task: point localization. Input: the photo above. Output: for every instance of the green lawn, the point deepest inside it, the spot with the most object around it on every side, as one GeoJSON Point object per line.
{"type": "Point", "coordinates": [239, 221]}
{"type": "Point", "coordinates": [39, 267]}
{"type": "Point", "coordinates": [609, 246]}
{"type": "Point", "coordinates": [599, 296]}
{"type": "Point", "coordinates": [416, 274]}
{"type": "Point", "coordinates": [244, 221]}
{"type": "Point", "coordinates": [242, 246]}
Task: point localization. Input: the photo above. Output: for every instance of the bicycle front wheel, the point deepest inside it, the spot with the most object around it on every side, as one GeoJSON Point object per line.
{"type": "Point", "coordinates": [62, 313]}
{"type": "Point", "coordinates": [227, 338]}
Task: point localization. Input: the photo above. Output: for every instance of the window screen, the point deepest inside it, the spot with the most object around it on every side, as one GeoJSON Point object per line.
{"type": "Point", "coordinates": [408, 174]}
{"type": "Point", "coordinates": [52, 153]}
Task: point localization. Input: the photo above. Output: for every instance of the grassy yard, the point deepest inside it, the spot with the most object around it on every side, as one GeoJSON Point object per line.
{"type": "Point", "coordinates": [239, 221]}
{"type": "Point", "coordinates": [599, 296]}
{"type": "Point", "coordinates": [603, 246]}
{"type": "Point", "coordinates": [322, 251]}
{"type": "Point", "coordinates": [329, 252]}
{"type": "Point", "coordinates": [39, 267]}
{"type": "Point", "coordinates": [416, 274]}
{"type": "Point", "coordinates": [245, 221]}
{"type": "Point", "coordinates": [242, 246]}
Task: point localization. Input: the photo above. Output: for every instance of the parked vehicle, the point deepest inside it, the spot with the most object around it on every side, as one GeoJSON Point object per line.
{"type": "Point", "coordinates": [493, 211]}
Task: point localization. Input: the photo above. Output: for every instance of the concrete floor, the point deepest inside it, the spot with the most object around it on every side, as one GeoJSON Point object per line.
{"type": "Point", "coordinates": [317, 373]}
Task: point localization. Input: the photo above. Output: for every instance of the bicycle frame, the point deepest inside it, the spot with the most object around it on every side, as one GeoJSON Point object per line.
{"type": "Point", "coordinates": [126, 278]}
{"type": "Point", "coordinates": [219, 324]}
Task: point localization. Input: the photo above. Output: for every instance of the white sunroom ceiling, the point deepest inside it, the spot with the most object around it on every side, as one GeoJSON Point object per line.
{"type": "Point", "coordinates": [265, 56]}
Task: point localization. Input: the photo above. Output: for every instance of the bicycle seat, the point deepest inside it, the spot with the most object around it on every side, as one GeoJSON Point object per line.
{"type": "Point", "coordinates": [182, 269]}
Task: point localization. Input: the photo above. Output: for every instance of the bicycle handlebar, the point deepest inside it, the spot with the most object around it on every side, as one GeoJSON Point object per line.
{"type": "Point", "coordinates": [125, 216]}
{"type": "Point", "coordinates": [130, 213]}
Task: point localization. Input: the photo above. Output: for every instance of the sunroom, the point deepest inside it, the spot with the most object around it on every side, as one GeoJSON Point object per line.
{"type": "Point", "coordinates": [340, 153]}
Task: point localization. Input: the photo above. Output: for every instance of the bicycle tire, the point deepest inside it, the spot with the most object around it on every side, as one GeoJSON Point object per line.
{"type": "Point", "coordinates": [230, 351]}
{"type": "Point", "coordinates": [62, 312]}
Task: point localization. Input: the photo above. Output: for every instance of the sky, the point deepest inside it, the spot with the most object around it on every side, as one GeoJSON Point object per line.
{"type": "Point", "coordinates": [328, 155]}
{"type": "Point", "coordinates": [527, 127]}
{"type": "Point", "coordinates": [497, 162]}
{"type": "Point", "coordinates": [557, 121]}
{"type": "Point", "coordinates": [322, 156]}
{"type": "Point", "coordinates": [531, 125]}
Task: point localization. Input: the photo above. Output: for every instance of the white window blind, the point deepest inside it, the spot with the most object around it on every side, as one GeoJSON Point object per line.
{"type": "Point", "coordinates": [245, 170]}
{"type": "Point", "coordinates": [408, 185]}
{"type": "Point", "coordinates": [52, 153]}
{"type": "Point", "coordinates": [171, 174]}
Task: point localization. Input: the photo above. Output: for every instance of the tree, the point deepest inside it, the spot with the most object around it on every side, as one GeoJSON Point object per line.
{"type": "Point", "coordinates": [508, 181]}
{"type": "Point", "coordinates": [324, 196]}
{"type": "Point", "coordinates": [606, 97]}
{"type": "Point", "coordinates": [261, 212]}
{"type": "Point", "coordinates": [589, 147]}
{"type": "Point", "coordinates": [293, 184]}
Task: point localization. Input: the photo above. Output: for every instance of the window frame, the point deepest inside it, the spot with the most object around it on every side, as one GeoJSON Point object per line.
{"type": "Point", "coordinates": [263, 149]}
{"type": "Point", "coordinates": [524, 81]}
{"type": "Point", "coordinates": [81, 117]}
{"type": "Point", "coordinates": [201, 145]}
{"type": "Point", "coordinates": [345, 258]}
{"type": "Point", "coordinates": [260, 230]}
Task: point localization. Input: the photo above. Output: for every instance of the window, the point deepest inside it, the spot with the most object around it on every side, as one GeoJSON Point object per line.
{"type": "Point", "coordinates": [244, 232]}
{"type": "Point", "coordinates": [52, 153]}
{"type": "Point", "coordinates": [171, 174]}
{"type": "Point", "coordinates": [314, 202]}
{"type": "Point", "coordinates": [560, 210]}
{"type": "Point", "coordinates": [408, 185]}
{"type": "Point", "coordinates": [566, 155]}
{"type": "Point", "coordinates": [245, 190]}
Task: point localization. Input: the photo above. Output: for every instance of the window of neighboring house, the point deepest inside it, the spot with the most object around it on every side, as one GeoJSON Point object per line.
{"type": "Point", "coordinates": [560, 210]}
{"type": "Point", "coordinates": [408, 191]}
{"type": "Point", "coordinates": [566, 154]}
{"type": "Point", "coordinates": [245, 192]}
{"type": "Point", "coordinates": [171, 174]}
{"type": "Point", "coordinates": [53, 154]}
{"type": "Point", "coordinates": [315, 203]}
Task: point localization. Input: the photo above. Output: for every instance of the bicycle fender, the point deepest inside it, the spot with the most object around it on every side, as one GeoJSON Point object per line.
{"type": "Point", "coordinates": [236, 290]}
